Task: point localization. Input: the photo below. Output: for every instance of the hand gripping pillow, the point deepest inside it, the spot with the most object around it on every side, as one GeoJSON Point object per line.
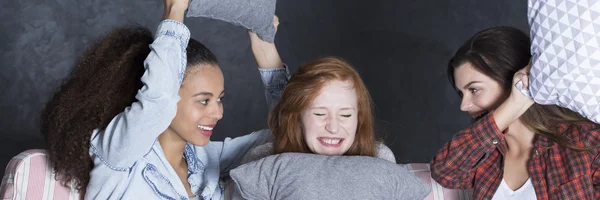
{"type": "Point", "coordinates": [566, 56]}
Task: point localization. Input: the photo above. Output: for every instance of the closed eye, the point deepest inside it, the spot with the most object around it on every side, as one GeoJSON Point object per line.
{"type": "Point", "coordinates": [346, 116]}
{"type": "Point", "coordinates": [319, 114]}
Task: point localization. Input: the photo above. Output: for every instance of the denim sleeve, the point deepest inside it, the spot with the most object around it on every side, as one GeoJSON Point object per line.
{"type": "Point", "coordinates": [274, 80]}
{"type": "Point", "coordinates": [131, 134]}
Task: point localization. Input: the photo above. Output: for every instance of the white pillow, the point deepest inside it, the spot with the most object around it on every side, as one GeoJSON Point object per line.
{"type": "Point", "coordinates": [566, 54]}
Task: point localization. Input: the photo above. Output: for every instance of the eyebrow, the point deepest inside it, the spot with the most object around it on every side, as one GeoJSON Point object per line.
{"type": "Point", "coordinates": [347, 108]}
{"type": "Point", "coordinates": [471, 83]}
{"type": "Point", "coordinates": [206, 94]}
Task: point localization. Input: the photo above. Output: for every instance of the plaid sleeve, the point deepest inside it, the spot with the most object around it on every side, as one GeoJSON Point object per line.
{"type": "Point", "coordinates": [594, 133]}
{"type": "Point", "coordinates": [455, 164]}
{"type": "Point", "coordinates": [596, 176]}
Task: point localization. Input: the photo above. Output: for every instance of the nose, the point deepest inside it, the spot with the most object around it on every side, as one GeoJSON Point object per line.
{"type": "Point", "coordinates": [466, 104]}
{"type": "Point", "coordinates": [333, 125]}
{"type": "Point", "coordinates": [216, 111]}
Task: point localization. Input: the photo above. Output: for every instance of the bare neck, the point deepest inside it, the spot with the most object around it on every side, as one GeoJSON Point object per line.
{"type": "Point", "coordinates": [519, 138]}
{"type": "Point", "coordinates": [173, 146]}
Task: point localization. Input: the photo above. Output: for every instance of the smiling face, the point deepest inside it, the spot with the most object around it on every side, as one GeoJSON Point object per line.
{"type": "Point", "coordinates": [329, 124]}
{"type": "Point", "coordinates": [480, 94]}
{"type": "Point", "coordinates": [200, 106]}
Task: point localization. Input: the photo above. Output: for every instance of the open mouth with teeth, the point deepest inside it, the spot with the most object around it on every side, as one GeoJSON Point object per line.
{"type": "Point", "coordinates": [330, 142]}
{"type": "Point", "coordinates": [206, 129]}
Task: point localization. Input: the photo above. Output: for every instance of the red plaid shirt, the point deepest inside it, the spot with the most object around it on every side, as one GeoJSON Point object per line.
{"type": "Point", "coordinates": [474, 159]}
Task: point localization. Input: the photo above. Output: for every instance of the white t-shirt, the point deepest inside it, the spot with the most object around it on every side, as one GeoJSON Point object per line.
{"type": "Point", "coordinates": [526, 192]}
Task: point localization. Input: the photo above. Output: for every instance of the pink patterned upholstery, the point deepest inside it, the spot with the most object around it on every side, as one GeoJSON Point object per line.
{"type": "Point", "coordinates": [438, 192]}
{"type": "Point", "coordinates": [29, 176]}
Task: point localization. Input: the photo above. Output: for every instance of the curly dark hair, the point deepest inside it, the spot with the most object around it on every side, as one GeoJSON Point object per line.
{"type": "Point", "coordinates": [104, 81]}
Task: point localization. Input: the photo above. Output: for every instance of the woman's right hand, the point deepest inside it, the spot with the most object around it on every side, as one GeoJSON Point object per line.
{"type": "Point", "coordinates": [517, 103]}
{"type": "Point", "coordinates": [175, 9]}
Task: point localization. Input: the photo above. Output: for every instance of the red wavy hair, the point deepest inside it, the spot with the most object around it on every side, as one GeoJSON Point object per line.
{"type": "Point", "coordinates": [304, 86]}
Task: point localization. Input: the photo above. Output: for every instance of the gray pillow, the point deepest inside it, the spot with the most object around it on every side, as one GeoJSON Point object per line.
{"type": "Point", "coordinates": [256, 15]}
{"type": "Point", "coordinates": [310, 176]}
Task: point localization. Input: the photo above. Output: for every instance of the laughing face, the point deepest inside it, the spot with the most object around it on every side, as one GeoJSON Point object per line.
{"type": "Point", "coordinates": [329, 124]}
{"type": "Point", "coordinates": [200, 106]}
{"type": "Point", "coordinates": [480, 94]}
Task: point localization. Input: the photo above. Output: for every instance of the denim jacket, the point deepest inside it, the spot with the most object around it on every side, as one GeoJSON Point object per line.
{"type": "Point", "coordinates": [129, 162]}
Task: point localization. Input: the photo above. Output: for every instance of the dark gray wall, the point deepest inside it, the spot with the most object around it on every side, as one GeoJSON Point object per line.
{"type": "Point", "coordinates": [399, 47]}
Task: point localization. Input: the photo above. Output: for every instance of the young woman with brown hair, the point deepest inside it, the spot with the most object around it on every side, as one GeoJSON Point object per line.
{"type": "Point", "coordinates": [515, 149]}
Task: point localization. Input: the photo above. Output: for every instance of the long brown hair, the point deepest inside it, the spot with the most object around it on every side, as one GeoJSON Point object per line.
{"type": "Point", "coordinates": [302, 89]}
{"type": "Point", "coordinates": [499, 52]}
{"type": "Point", "coordinates": [103, 83]}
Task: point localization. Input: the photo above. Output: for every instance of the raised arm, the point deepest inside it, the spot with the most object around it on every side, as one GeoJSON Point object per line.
{"type": "Point", "coordinates": [131, 134]}
{"type": "Point", "coordinates": [273, 72]}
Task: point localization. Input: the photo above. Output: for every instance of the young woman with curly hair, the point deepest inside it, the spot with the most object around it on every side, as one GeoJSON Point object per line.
{"type": "Point", "coordinates": [134, 118]}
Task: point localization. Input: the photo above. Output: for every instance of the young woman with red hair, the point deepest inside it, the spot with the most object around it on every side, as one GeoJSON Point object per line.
{"type": "Point", "coordinates": [325, 109]}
